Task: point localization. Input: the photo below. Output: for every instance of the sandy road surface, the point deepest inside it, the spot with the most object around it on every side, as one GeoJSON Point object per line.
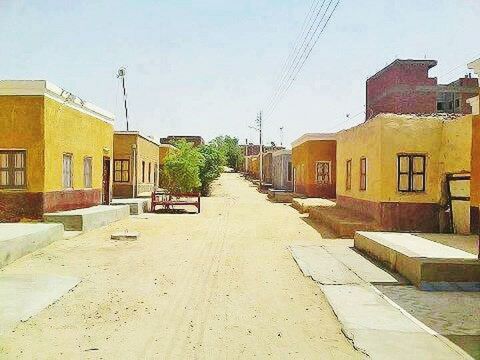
{"type": "Point", "coordinates": [216, 285]}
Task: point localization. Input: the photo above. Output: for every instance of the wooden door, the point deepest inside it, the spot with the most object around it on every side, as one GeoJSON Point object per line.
{"type": "Point", "coordinates": [106, 181]}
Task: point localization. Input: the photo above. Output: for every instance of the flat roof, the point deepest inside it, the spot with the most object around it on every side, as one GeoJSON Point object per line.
{"type": "Point", "coordinates": [52, 91]}
{"type": "Point", "coordinates": [138, 133]}
{"type": "Point", "coordinates": [428, 63]}
{"type": "Point", "coordinates": [312, 137]}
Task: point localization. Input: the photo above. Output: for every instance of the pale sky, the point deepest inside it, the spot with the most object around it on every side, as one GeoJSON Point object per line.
{"type": "Point", "coordinates": [207, 67]}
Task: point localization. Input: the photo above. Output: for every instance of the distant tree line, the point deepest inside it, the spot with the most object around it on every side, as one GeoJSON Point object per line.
{"type": "Point", "coordinates": [189, 168]}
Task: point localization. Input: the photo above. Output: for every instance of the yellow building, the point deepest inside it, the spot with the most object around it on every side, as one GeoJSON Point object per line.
{"type": "Point", "coordinates": [55, 150]}
{"type": "Point", "coordinates": [135, 164]}
{"type": "Point", "coordinates": [314, 165]}
{"type": "Point", "coordinates": [394, 168]}
{"type": "Point", "coordinates": [252, 166]}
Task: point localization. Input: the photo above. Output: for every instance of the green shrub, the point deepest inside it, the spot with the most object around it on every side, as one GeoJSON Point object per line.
{"type": "Point", "coordinates": [182, 168]}
{"type": "Point", "coordinates": [214, 161]}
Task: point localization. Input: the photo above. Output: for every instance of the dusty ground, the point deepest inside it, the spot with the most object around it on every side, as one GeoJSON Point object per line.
{"type": "Point", "coordinates": [216, 285]}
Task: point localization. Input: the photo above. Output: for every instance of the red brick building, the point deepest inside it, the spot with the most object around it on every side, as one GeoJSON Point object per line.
{"type": "Point", "coordinates": [404, 87]}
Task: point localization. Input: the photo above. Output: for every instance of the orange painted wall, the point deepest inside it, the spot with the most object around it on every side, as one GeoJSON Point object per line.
{"type": "Point", "coordinates": [304, 158]}
{"type": "Point", "coordinates": [475, 172]}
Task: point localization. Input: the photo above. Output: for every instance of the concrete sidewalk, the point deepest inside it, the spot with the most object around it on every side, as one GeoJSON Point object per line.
{"type": "Point", "coordinates": [375, 325]}
{"type": "Point", "coordinates": [18, 239]}
{"type": "Point", "coordinates": [25, 295]}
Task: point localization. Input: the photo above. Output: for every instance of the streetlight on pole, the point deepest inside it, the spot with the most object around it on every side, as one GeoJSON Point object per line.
{"type": "Point", "coordinates": [121, 75]}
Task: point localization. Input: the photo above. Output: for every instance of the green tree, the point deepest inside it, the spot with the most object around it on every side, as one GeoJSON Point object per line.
{"type": "Point", "coordinates": [231, 150]}
{"type": "Point", "coordinates": [182, 168]}
{"type": "Point", "coordinates": [214, 161]}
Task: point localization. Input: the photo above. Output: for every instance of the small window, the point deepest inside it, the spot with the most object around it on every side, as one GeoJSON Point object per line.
{"type": "Point", "coordinates": [411, 173]}
{"type": "Point", "coordinates": [440, 106]}
{"type": "Point", "coordinates": [143, 172]}
{"type": "Point", "coordinates": [323, 172]}
{"type": "Point", "coordinates": [12, 169]}
{"type": "Point", "coordinates": [67, 171]}
{"type": "Point", "coordinates": [87, 172]}
{"type": "Point", "coordinates": [363, 174]}
{"type": "Point", "coordinates": [289, 171]}
{"type": "Point", "coordinates": [348, 175]}
{"type": "Point", "coordinates": [457, 103]}
{"type": "Point", "coordinates": [121, 171]}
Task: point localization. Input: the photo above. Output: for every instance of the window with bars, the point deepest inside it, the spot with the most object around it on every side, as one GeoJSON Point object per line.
{"type": "Point", "coordinates": [87, 172]}
{"type": "Point", "coordinates": [289, 171]}
{"type": "Point", "coordinates": [121, 170]}
{"type": "Point", "coordinates": [67, 171]}
{"type": "Point", "coordinates": [411, 172]}
{"type": "Point", "coordinates": [149, 172]}
{"type": "Point", "coordinates": [363, 174]}
{"type": "Point", "coordinates": [12, 169]}
{"type": "Point", "coordinates": [348, 175]}
{"type": "Point", "coordinates": [323, 172]}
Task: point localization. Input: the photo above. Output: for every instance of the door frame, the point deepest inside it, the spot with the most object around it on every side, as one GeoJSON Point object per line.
{"type": "Point", "coordinates": [106, 164]}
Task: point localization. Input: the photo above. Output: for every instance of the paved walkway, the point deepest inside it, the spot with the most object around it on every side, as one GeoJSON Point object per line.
{"type": "Point", "coordinates": [221, 284]}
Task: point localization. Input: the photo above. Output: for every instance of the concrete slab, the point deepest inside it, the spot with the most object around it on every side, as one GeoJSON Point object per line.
{"type": "Point", "coordinates": [381, 344]}
{"type": "Point", "coordinates": [23, 296]}
{"type": "Point", "coordinates": [304, 205]}
{"type": "Point", "coordinates": [137, 206]}
{"type": "Point", "coordinates": [280, 196]}
{"type": "Point", "coordinates": [416, 246]}
{"type": "Point", "coordinates": [425, 263]}
{"type": "Point", "coordinates": [88, 218]}
{"type": "Point", "coordinates": [17, 240]}
{"type": "Point", "coordinates": [361, 266]}
{"type": "Point", "coordinates": [316, 262]}
{"type": "Point", "coordinates": [382, 330]}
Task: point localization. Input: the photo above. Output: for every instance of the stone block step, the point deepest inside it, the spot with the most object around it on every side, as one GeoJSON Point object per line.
{"type": "Point", "coordinates": [88, 218]}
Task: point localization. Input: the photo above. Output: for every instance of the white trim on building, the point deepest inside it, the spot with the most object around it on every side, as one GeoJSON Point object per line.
{"type": "Point", "coordinates": [312, 137]}
{"type": "Point", "coordinates": [64, 97]}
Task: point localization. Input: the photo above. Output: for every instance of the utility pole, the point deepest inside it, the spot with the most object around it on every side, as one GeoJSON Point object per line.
{"type": "Point", "coordinates": [259, 128]}
{"type": "Point", "coordinates": [121, 75]}
{"type": "Point", "coordinates": [259, 123]}
{"type": "Point", "coordinates": [281, 136]}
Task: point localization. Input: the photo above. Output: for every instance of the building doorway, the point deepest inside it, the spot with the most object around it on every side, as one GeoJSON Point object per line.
{"type": "Point", "coordinates": [106, 181]}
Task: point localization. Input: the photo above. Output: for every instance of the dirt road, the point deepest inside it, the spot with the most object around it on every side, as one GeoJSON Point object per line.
{"type": "Point", "coordinates": [221, 284]}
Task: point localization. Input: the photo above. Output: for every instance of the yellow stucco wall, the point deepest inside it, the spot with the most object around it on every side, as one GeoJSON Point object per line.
{"type": "Point", "coordinates": [475, 184]}
{"type": "Point", "coordinates": [71, 131]}
{"type": "Point", "coordinates": [402, 134]}
{"type": "Point", "coordinates": [446, 145]}
{"type": "Point", "coordinates": [352, 144]}
{"type": "Point", "coordinates": [21, 127]}
{"type": "Point", "coordinates": [149, 153]}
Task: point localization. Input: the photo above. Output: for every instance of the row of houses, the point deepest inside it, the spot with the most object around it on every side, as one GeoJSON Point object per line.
{"type": "Point", "coordinates": [406, 172]}
{"type": "Point", "coordinates": [60, 152]}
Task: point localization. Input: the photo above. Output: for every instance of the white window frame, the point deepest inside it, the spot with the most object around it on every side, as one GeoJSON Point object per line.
{"type": "Point", "coordinates": [88, 181]}
{"type": "Point", "coordinates": [69, 185]}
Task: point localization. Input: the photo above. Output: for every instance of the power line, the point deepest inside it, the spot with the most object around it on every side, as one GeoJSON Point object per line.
{"type": "Point", "coordinates": [288, 59]}
{"type": "Point", "coordinates": [297, 67]}
{"type": "Point", "coordinates": [296, 49]}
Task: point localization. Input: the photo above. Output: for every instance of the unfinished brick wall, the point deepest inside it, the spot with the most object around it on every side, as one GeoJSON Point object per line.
{"type": "Point", "coordinates": [398, 89]}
